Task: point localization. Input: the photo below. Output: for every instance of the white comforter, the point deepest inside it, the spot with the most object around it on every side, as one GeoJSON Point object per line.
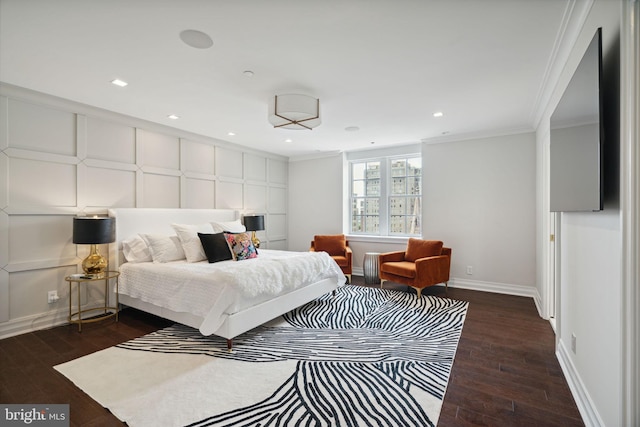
{"type": "Point", "coordinates": [213, 291]}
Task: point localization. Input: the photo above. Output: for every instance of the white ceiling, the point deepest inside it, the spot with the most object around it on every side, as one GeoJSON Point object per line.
{"type": "Point", "coordinates": [383, 66]}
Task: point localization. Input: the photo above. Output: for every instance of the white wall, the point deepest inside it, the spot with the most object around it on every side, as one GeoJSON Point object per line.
{"type": "Point", "coordinates": [59, 159]}
{"type": "Point", "coordinates": [315, 199]}
{"type": "Point", "coordinates": [479, 198]}
{"type": "Point", "coordinates": [590, 305]}
{"type": "Point", "coordinates": [589, 248]}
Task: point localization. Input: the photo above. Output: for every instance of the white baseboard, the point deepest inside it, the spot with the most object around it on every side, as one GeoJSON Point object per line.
{"type": "Point", "coordinates": [537, 300]}
{"type": "Point", "coordinates": [36, 322]}
{"type": "Point", "coordinates": [498, 288]}
{"type": "Point", "coordinates": [585, 405]}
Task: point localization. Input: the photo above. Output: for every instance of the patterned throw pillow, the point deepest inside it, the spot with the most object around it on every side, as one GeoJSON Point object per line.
{"type": "Point", "coordinates": [241, 246]}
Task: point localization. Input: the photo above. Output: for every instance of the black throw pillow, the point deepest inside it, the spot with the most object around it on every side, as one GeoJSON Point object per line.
{"type": "Point", "coordinates": [215, 247]}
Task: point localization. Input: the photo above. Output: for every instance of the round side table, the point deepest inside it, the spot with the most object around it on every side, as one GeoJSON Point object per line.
{"type": "Point", "coordinates": [370, 267]}
{"type": "Point", "coordinates": [85, 280]}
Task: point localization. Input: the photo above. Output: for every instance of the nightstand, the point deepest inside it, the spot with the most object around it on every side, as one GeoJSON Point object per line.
{"type": "Point", "coordinates": [84, 280]}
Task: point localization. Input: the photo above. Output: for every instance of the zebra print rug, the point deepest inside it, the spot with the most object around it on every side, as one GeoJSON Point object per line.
{"type": "Point", "coordinates": [362, 357]}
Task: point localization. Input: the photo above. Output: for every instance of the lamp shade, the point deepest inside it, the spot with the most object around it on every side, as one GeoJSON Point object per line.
{"type": "Point", "coordinates": [254, 222]}
{"type": "Point", "coordinates": [294, 112]}
{"type": "Point", "coordinates": [93, 230]}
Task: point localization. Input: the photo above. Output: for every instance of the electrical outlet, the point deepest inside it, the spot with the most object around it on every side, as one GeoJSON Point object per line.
{"type": "Point", "coordinates": [52, 297]}
{"type": "Point", "coordinates": [573, 343]}
{"type": "Point", "coordinates": [469, 270]}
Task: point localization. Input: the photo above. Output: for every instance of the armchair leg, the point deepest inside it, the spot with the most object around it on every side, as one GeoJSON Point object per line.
{"type": "Point", "coordinates": [418, 291]}
{"type": "Point", "coordinates": [446, 287]}
{"type": "Point", "coordinates": [349, 277]}
{"type": "Point", "coordinates": [382, 282]}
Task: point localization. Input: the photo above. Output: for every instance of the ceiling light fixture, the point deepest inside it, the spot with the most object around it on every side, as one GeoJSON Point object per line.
{"type": "Point", "coordinates": [197, 39]}
{"type": "Point", "coordinates": [352, 128]}
{"type": "Point", "coordinates": [231, 133]}
{"type": "Point", "coordinates": [119, 82]}
{"type": "Point", "coordinates": [173, 117]}
{"type": "Point", "coordinates": [294, 112]}
{"type": "Point", "coordinates": [438, 114]}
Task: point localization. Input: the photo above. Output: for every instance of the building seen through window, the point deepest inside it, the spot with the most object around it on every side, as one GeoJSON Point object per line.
{"type": "Point", "coordinates": [386, 196]}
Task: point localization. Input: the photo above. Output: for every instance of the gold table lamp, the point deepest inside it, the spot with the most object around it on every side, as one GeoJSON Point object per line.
{"type": "Point", "coordinates": [254, 223]}
{"type": "Point", "coordinates": [93, 231]}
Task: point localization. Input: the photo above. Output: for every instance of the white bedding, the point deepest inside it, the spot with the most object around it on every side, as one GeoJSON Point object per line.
{"type": "Point", "coordinates": [214, 291]}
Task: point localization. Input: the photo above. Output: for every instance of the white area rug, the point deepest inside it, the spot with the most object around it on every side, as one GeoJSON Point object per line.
{"type": "Point", "coordinates": [362, 357]}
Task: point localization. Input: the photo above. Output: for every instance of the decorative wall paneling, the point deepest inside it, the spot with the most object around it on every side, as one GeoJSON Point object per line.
{"type": "Point", "coordinates": [59, 158]}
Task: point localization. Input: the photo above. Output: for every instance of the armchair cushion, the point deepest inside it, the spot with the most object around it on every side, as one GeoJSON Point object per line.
{"type": "Point", "coordinates": [417, 248]}
{"type": "Point", "coordinates": [333, 244]}
{"type": "Point", "coordinates": [400, 268]}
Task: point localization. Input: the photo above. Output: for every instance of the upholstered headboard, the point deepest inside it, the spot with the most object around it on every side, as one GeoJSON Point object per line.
{"type": "Point", "coordinates": [131, 221]}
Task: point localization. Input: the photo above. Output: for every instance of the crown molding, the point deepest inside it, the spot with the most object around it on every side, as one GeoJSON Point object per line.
{"type": "Point", "coordinates": [478, 135]}
{"type": "Point", "coordinates": [575, 16]}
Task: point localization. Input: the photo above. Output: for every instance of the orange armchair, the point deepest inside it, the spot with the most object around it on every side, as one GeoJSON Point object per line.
{"type": "Point", "coordinates": [424, 263]}
{"type": "Point", "coordinates": [337, 246]}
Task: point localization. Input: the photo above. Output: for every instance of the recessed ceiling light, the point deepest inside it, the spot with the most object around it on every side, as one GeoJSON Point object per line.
{"type": "Point", "coordinates": [352, 128]}
{"type": "Point", "coordinates": [173, 117]}
{"type": "Point", "coordinates": [248, 73]}
{"type": "Point", "coordinates": [197, 39]}
{"type": "Point", "coordinates": [231, 133]}
{"type": "Point", "coordinates": [119, 82]}
{"type": "Point", "coordinates": [438, 114]}
{"type": "Point", "coordinates": [288, 140]}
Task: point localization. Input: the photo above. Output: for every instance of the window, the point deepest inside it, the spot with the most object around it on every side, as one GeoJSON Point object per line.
{"type": "Point", "coordinates": [386, 195]}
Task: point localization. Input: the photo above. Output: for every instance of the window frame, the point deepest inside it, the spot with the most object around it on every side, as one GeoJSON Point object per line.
{"type": "Point", "coordinates": [384, 196]}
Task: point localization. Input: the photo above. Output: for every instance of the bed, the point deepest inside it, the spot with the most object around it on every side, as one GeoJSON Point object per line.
{"type": "Point", "coordinates": [224, 310]}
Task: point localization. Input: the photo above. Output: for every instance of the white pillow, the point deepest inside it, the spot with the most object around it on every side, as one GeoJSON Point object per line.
{"type": "Point", "coordinates": [231, 226]}
{"type": "Point", "coordinates": [136, 250]}
{"type": "Point", "coordinates": [164, 248]}
{"type": "Point", "coordinates": [191, 244]}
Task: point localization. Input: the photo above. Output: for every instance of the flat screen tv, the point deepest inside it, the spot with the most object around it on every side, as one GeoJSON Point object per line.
{"type": "Point", "coordinates": [577, 137]}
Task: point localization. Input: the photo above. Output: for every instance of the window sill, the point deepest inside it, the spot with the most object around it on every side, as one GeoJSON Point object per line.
{"type": "Point", "coordinates": [377, 239]}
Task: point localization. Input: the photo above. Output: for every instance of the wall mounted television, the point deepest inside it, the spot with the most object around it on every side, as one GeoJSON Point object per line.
{"type": "Point", "coordinates": [577, 138]}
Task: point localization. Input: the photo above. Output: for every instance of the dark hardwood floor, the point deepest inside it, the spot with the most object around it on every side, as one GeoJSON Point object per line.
{"type": "Point", "coordinates": [505, 372]}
